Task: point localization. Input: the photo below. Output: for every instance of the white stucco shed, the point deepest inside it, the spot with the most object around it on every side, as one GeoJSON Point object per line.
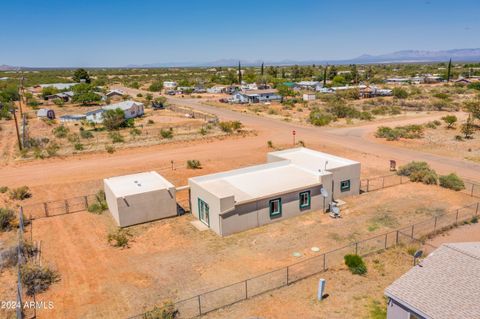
{"type": "Point", "coordinates": [139, 198]}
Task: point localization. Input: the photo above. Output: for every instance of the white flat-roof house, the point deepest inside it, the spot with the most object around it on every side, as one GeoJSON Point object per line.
{"type": "Point", "coordinates": [139, 198]}
{"type": "Point", "coordinates": [444, 285]}
{"type": "Point", "coordinates": [293, 181]}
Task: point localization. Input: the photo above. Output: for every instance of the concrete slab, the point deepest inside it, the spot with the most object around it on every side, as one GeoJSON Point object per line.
{"type": "Point", "coordinates": [199, 225]}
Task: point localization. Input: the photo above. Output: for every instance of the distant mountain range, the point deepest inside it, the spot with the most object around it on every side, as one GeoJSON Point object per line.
{"type": "Point", "coordinates": [404, 56]}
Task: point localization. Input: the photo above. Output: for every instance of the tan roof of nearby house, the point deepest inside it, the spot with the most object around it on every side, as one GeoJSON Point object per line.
{"type": "Point", "coordinates": [444, 285]}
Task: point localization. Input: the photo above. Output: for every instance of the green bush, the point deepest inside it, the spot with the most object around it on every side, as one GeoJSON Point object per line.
{"type": "Point", "coordinates": [320, 118]}
{"type": "Point", "coordinates": [230, 126]}
{"type": "Point", "coordinates": [60, 131]}
{"type": "Point", "coordinates": [119, 238]}
{"type": "Point", "coordinates": [452, 181]}
{"type": "Point", "coordinates": [400, 93]}
{"type": "Point", "coordinates": [408, 169]}
{"type": "Point", "coordinates": [194, 164]}
{"type": "Point", "coordinates": [37, 278]}
{"type": "Point", "coordinates": [412, 131]}
{"type": "Point", "coordinates": [100, 204]}
{"type": "Point", "coordinates": [52, 149]}
{"type": "Point", "coordinates": [166, 311]}
{"type": "Point", "coordinates": [20, 193]}
{"type": "Point", "coordinates": [166, 133]}
{"type": "Point", "coordinates": [7, 216]}
{"type": "Point", "coordinates": [135, 132]}
{"type": "Point", "coordinates": [203, 131]}
{"type": "Point", "coordinates": [78, 146]}
{"type": "Point", "coordinates": [3, 189]}
{"type": "Point", "coordinates": [116, 137]}
{"type": "Point", "coordinates": [156, 86]}
{"type": "Point", "coordinates": [355, 264]}
{"type": "Point", "coordinates": [110, 149]}
{"type": "Point", "coordinates": [86, 134]}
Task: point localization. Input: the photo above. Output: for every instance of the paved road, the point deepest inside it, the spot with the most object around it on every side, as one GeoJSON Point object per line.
{"type": "Point", "coordinates": [95, 166]}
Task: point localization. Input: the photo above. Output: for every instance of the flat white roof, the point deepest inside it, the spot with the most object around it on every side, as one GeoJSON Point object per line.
{"type": "Point", "coordinates": [313, 160]}
{"type": "Point", "coordinates": [258, 181]}
{"type": "Point", "coordinates": [137, 183]}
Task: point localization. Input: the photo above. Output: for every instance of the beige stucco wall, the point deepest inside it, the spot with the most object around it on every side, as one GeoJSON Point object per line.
{"type": "Point", "coordinates": [143, 207]}
{"type": "Point", "coordinates": [214, 203]}
{"type": "Point", "coordinates": [352, 173]}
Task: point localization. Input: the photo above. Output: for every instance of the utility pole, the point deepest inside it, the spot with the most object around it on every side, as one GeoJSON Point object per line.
{"type": "Point", "coordinates": [14, 112]}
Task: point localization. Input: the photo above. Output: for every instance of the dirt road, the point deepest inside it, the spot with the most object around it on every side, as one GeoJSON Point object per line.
{"type": "Point", "coordinates": [352, 142]}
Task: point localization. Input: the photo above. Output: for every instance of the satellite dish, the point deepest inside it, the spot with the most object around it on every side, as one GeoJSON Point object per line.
{"type": "Point", "coordinates": [418, 254]}
{"type": "Point", "coordinates": [335, 210]}
{"type": "Point", "coordinates": [324, 192]}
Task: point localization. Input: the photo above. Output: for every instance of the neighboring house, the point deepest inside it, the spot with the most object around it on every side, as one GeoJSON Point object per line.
{"type": "Point", "coordinates": [58, 86]}
{"type": "Point", "coordinates": [65, 96]}
{"type": "Point", "coordinates": [115, 94]}
{"type": "Point", "coordinates": [309, 85]}
{"type": "Point", "coordinates": [433, 78]}
{"type": "Point", "coordinates": [309, 97]}
{"type": "Point", "coordinates": [139, 198]}
{"type": "Point", "coordinates": [249, 86]}
{"type": "Point", "coordinates": [72, 118]}
{"type": "Point", "coordinates": [46, 113]}
{"type": "Point", "coordinates": [5, 78]}
{"type": "Point", "coordinates": [217, 89]}
{"type": "Point", "coordinates": [256, 96]}
{"type": "Point", "coordinates": [444, 285]}
{"type": "Point", "coordinates": [169, 85]}
{"type": "Point", "coordinates": [293, 182]}
{"type": "Point", "coordinates": [95, 116]}
{"type": "Point", "coordinates": [131, 108]}
{"type": "Point", "coordinates": [398, 80]}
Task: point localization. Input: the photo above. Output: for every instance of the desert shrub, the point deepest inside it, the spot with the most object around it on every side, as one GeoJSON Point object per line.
{"type": "Point", "coordinates": [450, 120]}
{"type": "Point", "coordinates": [408, 169]}
{"type": "Point", "coordinates": [116, 137]}
{"type": "Point", "coordinates": [78, 146]}
{"type": "Point", "coordinates": [399, 93]}
{"type": "Point", "coordinates": [135, 132]}
{"type": "Point", "coordinates": [73, 138]}
{"type": "Point", "coordinates": [320, 118]}
{"type": "Point", "coordinates": [114, 119]}
{"type": "Point", "coordinates": [119, 238]}
{"type": "Point", "coordinates": [411, 131]}
{"type": "Point", "coordinates": [203, 131]}
{"type": "Point", "coordinates": [60, 131]}
{"type": "Point", "coordinates": [150, 122]}
{"type": "Point", "coordinates": [52, 149]}
{"type": "Point", "coordinates": [355, 264]}
{"type": "Point", "coordinates": [194, 164]}
{"type": "Point", "coordinates": [86, 134]}
{"type": "Point", "coordinates": [270, 144]}
{"type": "Point", "coordinates": [230, 126]}
{"type": "Point", "coordinates": [20, 193]}
{"type": "Point", "coordinates": [110, 149]}
{"type": "Point", "coordinates": [474, 86]}
{"type": "Point", "coordinates": [3, 189]}
{"type": "Point", "coordinates": [366, 116]}
{"type": "Point", "coordinates": [430, 125]}
{"type": "Point", "coordinates": [156, 86]}
{"type": "Point", "coordinates": [301, 143]}
{"type": "Point", "coordinates": [474, 220]}
{"type": "Point", "coordinates": [166, 311]}
{"type": "Point", "coordinates": [387, 132]}
{"type": "Point", "coordinates": [100, 204]}
{"type": "Point", "coordinates": [58, 102]}
{"type": "Point", "coordinates": [166, 133]}
{"type": "Point", "coordinates": [452, 181]}
{"type": "Point", "coordinates": [340, 110]}
{"type": "Point", "coordinates": [37, 278]}
{"type": "Point", "coordinates": [7, 216]}
{"type": "Point", "coordinates": [458, 138]}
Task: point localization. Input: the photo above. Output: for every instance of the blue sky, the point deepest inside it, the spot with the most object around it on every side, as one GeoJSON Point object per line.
{"type": "Point", "coordinates": [119, 32]}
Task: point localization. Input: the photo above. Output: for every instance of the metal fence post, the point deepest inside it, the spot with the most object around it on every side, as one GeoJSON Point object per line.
{"type": "Point", "coordinates": [435, 225]}
{"type": "Point", "coordinates": [356, 248]}
{"type": "Point", "coordinates": [412, 230]}
{"type": "Point", "coordinates": [199, 306]}
{"type": "Point", "coordinates": [246, 289]}
{"type": "Point", "coordinates": [86, 201]}
{"type": "Point", "coordinates": [476, 211]}
{"type": "Point", "coordinates": [368, 185]}
{"type": "Point", "coordinates": [45, 208]}
{"type": "Point", "coordinates": [287, 277]}
{"type": "Point", "coordinates": [386, 238]}
{"type": "Point", "coordinates": [396, 241]}
{"type": "Point", "coordinates": [456, 218]}
{"type": "Point", "coordinates": [324, 262]}
{"type": "Point", "coordinates": [471, 193]}
{"type": "Point", "coordinates": [66, 206]}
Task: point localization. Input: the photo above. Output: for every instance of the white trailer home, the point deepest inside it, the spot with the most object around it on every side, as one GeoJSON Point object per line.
{"type": "Point", "coordinates": [139, 198]}
{"type": "Point", "coordinates": [292, 182]}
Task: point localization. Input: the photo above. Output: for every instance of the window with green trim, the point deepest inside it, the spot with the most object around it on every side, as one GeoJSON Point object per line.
{"type": "Point", "coordinates": [345, 186]}
{"type": "Point", "coordinates": [275, 207]}
{"type": "Point", "coordinates": [304, 199]}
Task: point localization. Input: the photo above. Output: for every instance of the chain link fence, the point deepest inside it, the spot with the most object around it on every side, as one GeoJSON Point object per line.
{"type": "Point", "coordinates": [242, 290]}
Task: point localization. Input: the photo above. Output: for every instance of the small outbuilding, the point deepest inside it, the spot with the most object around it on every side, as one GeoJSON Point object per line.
{"type": "Point", "coordinates": [46, 113]}
{"type": "Point", "coordinates": [140, 198]}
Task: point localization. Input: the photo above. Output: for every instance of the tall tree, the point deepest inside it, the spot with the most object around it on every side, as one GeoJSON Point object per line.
{"type": "Point", "coordinates": [239, 73]}
{"type": "Point", "coordinates": [261, 70]}
{"type": "Point", "coordinates": [449, 71]}
{"type": "Point", "coordinates": [325, 75]}
{"type": "Point", "coordinates": [81, 74]}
